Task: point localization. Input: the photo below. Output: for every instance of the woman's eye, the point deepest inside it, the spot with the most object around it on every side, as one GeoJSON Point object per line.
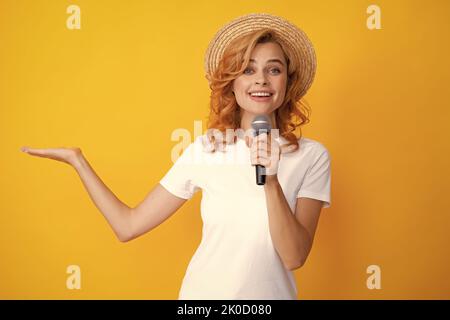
{"type": "Point", "coordinates": [276, 70]}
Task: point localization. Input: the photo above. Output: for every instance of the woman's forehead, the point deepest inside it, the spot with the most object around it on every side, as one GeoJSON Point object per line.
{"type": "Point", "coordinates": [265, 52]}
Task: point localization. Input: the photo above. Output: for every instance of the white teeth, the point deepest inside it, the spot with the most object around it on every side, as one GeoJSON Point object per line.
{"type": "Point", "coordinates": [260, 94]}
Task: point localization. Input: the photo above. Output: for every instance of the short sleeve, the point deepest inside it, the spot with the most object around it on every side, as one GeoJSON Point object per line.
{"type": "Point", "coordinates": [179, 179]}
{"type": "Point", "coordinates": [316, 184]}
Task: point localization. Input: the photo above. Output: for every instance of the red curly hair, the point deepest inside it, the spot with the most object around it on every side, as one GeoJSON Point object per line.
{"type": "Point", "coordinates": [224, 110]}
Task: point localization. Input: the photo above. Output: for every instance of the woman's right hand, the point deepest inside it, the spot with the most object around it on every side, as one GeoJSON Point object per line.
{"type": "Point", "coordinates": [67, 155]}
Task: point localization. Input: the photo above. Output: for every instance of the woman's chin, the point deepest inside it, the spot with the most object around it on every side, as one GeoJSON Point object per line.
{"type": "Point", "coordinates": [259, 109]}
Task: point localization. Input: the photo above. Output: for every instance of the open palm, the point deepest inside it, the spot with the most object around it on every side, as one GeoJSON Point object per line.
{"type": "Point", "coordinates": [67, 155]}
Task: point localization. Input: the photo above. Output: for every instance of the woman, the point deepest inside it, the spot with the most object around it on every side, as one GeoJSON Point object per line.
{"type": "Point", "coordinates": [253, 236]}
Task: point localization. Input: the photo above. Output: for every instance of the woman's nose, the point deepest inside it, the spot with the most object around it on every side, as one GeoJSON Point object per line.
{"type": "Point", "coordinates": [260, 78]}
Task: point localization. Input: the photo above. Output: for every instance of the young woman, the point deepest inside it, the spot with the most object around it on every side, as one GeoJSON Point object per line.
{"type": "Point", "coordinates": [253, 236]}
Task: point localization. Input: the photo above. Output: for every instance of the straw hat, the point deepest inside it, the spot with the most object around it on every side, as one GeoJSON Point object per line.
{"type": "Point", "coordinates": [289, 33]}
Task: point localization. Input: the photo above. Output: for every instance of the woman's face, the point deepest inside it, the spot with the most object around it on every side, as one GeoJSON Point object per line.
{"type": "Point", "coordinates": [261, 88]}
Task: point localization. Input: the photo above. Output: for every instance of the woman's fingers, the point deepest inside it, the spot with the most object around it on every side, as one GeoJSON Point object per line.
{"type": "Point", "coordinates": [33, 151]}
{"type": "Point", "coordinates": [261, 144]}
{"type": "Point", "coordinates": [254, 160]}
{"type": "Point", "coordinates": [39, 152]}
{"type": "Point", "coordinates": [262, 150]}
{"type": "Point", "coordinates": [60, 154]}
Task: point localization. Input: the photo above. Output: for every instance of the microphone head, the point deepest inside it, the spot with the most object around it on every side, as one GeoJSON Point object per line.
{"type": "Point", "coordinates": [261, 124]}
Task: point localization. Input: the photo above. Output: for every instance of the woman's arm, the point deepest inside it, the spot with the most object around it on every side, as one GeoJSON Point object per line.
{"type": "Point", "coordinates": [127, 223]}
{"type": "Point", "coordinates": [292, 235]}
{"type": "Point", "coordinates": [115, 211]}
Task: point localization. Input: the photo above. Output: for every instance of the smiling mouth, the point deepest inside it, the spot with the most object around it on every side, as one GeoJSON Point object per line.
{"type": "Point", "coordinates": [261, 98]}
{"type": "Point", "coordinates": [261, 94]}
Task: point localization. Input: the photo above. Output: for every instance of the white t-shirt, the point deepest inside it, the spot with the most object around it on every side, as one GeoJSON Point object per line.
{"type": "Point", "coordinates": [236, 258]}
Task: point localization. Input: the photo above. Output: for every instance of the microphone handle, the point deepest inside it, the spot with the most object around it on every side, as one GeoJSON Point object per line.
{"type": "Point", "coordinates": [260, 174]}
{"type": "Point", "coordinates": [260, 170]}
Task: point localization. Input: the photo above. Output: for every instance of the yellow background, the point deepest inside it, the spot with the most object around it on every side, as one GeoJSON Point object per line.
{"type": "Point", "coordinates": [117, 89]}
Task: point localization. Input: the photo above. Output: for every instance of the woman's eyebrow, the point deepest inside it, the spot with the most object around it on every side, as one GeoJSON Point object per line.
{"type": "Point", "coordinates": [270, 60]}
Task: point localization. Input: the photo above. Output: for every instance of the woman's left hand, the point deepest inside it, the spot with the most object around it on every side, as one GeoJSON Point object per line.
{"type": "Point", "coordinates": [266, 152]}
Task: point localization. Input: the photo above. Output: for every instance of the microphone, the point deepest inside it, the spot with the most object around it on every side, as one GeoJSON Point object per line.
{"type": "Point", "coordinates": [261, 124]}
